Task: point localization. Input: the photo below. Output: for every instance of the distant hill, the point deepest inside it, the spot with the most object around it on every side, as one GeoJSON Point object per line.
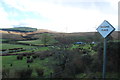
{"type": "Point", "coordinates": [20, 33]}
{"type": "Point", "coordinates": [42, 31]}
{"type": "Point", "coordinates": [19, 29]}
{"type": "Point", "coordinates": [30, 33]}
{"type": "Point", "coordinates": [116, 35]}
{"type": "Point", "coordinates": [24, 32]}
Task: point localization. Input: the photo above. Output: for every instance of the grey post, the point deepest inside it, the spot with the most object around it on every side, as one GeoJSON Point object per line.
{"type": "Point", "coordinates": [104, 58]}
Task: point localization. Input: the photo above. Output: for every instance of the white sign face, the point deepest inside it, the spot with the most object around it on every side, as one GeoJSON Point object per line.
{"type": "Point", "coordinates": [105, 29]}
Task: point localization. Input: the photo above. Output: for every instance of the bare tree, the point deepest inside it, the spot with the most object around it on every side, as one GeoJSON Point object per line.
{"type": "Point", "coordinates": [46, 39]}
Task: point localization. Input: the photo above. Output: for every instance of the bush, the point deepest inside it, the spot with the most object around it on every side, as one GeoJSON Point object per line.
{"type": "Point", "coordinates": [40, 72]}
{"type": "Point", "coordinates": [44, 55]}
{"type": "Point", "coordinates": [112, 56]}
{"type": "Point", "coordinates": [30, 60]}
{"type": "Point", "coordinates": [68, 64]}
{"type": "Point", "coordinates": [57, 72]}
{"type": "Point", "coordinates": [69, 71]}
{"type": "Point", "coordinates": [5, 73]}
{"type": "Point", "coordinates": [28, 56]}
{"type": "Point", "coordinates": [24, 73]}
{"type": "Point", "coordinates": [11, 65]}
{"type": "Point", "coordinates": [19, 57]}
{"type": "Point", "coordinates": [34, 56]}
{"type": "Point", "coordinates": [24, 54]}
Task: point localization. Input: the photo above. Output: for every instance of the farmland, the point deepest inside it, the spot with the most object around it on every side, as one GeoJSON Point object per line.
{"type": "Point", "coordinates": [21, 64]}
{"type": "Point", "coordinates": [57, 56]}
{"type": "Point", "coordinates": [10, 46]}
{"type": "Point", "coordinates": [36, 42]}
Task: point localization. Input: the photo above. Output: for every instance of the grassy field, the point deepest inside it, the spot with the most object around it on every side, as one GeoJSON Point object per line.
{"type": "Point", "coordinates": [98, 74]}
{"type": "Point", "coordinates": [35, 42]}
{"type": "Point", "coordinates": [6, 61]}
{"type": "Point", "coordinates": [86, 47]}
{"type": "Point", "coordinates": [0, 62]}
{"type": "Point", "coordinates": [21, 64]}
{"type": "Point", "coordinates": [45, 64]}
{"type": "Point", "coordinates": [10, 46]}
{"type": "Point", "coordinates": [2, 40]}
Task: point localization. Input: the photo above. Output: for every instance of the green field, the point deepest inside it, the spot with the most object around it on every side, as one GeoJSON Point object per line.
{"type": "Point", "coordinates": [10, 46]}
{"type": "Point", "coordinates": [21, 64]}
{"type": "Point", "coordinates": [2, 40]}
{"type": "Point", "coordinates": [35, 42]}
{"type": "Point", "coordinates": [82, 58]}
{"type": "Point", "coordinates": [38, 42]}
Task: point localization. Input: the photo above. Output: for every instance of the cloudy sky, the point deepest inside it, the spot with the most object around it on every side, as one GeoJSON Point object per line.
{"type": "Point", "coordinates": [58, 15]}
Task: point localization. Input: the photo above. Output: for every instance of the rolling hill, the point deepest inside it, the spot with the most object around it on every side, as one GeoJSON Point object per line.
{"type": "Point", "coordinates": [38, 32]}
{"type": "Point", "coordinates": [19, 29]}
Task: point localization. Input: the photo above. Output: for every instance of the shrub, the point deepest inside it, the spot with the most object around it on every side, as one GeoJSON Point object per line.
{"type": "Point", "coordinates": [44, 55]}
{"type": "Point", "coordinates": [57, 72]}
{"type": "Point", "coordinates": [30, 60]}
{"type": "Point", "coordinates": [11, 65]}
{"type": "Point", "coordinates": [112, 56]}
{"type": "Point", "coordinates": [28, 66]}
{"type": "Point", "coordinates": [28, 56]}
{"type": "Point", "coordinates": [34, 56]}
{"type": "Point", "coordinates": [5, 73]}
{"type": "Point", "coordinates": [24, 54]}
{"type": "Point", "coordinates": [24, 73]}
{"type": "Point", "coordinates": [40, 72]}
{"type": "Point", "coordinates": [19, 57]}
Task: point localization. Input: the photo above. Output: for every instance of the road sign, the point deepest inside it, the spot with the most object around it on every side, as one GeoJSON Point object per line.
{"type": "Point", "coordinates": [105, 29]}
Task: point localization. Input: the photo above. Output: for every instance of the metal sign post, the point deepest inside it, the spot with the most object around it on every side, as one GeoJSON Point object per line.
{"type": "Point", "coordinates": [105, 29]}
{"type": "Point", "coordinates": [104, 58]}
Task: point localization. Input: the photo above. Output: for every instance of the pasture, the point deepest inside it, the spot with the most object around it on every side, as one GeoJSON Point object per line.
{"type": "Point", "coordinates": [11, 62]}
{"type": "Point", "coordinates": [11, 46]}
{"type": "Point", "coordinates": [7, 61]}
{"type": "Point", "coordinates": [65, 59]}
{"type": "Point", "coordinates": [35, 42]}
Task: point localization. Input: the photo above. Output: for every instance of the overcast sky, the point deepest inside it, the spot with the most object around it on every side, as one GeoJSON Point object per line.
{"type": "Point", "coordinates": [58, 15]}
